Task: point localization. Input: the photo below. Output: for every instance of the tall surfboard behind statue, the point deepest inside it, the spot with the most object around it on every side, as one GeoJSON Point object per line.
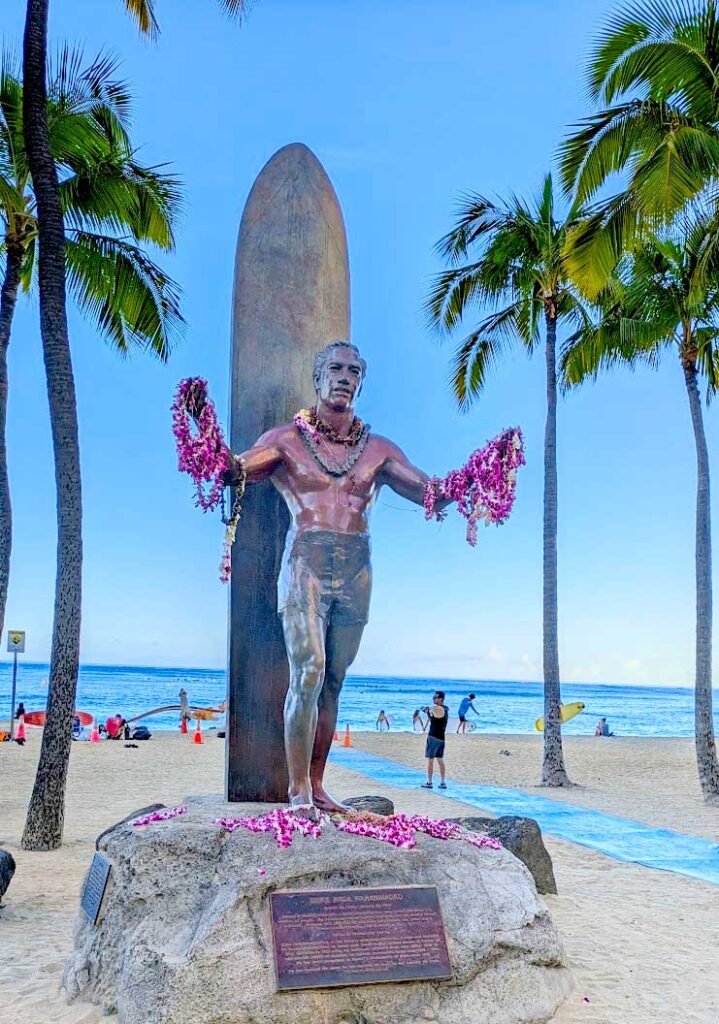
{"type": "Point", "coordinates": [291, 298]}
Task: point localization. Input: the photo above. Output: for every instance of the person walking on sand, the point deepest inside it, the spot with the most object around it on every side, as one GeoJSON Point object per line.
{"type": "Point", "coordinates": [437, 716]}
{"type": "Point", "coordinates": [465, 706]}
{"type": "Point", "coordinates": [382, 722]}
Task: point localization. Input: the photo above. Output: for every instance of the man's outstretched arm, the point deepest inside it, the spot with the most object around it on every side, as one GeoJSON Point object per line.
{"type": "Point", "coordinates": [405, 479]}
{"type": "Point", "coordinates": [258, 463]}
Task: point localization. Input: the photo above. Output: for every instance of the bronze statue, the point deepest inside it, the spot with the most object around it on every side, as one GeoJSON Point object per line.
{"type": "Point", "coordinates": [329, 469]}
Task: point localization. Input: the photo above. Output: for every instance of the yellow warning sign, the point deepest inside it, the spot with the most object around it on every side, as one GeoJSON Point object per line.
{"type": "Point", "coordinates": [16, 640]}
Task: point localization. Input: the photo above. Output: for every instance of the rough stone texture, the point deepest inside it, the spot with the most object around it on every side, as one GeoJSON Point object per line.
{"type": "Point", "coordinates": [7, 870]}
{"type": "Point", "coordinates": [523, 838]}
{"type": "Point", "coordinates": [374, 804]}
{"type": "Point", "coordinates": [184, 933]}
{"type": "Point", "coordinates": [129, 817]}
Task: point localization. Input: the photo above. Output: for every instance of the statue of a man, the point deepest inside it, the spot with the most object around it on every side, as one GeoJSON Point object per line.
{"type": "Point", "coordinates": [329, 469]}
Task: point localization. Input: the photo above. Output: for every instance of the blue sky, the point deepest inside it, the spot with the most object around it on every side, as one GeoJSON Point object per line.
{"type": "Point", "coordinates": [407, 104]}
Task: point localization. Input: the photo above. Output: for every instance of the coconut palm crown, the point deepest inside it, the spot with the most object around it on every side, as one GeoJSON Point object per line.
{"type": "Point", "coordinates": [654, 73]}
{"type": "Point", "coordinates": [110, 203]}
{"type": "Point", "coordinates": [508, 257]}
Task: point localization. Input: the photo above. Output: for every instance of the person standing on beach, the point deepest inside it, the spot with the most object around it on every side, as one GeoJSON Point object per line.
{"type": "Point", "coordinates": [437, 716]}
{"type": "Point", "coordinates": [465, 706]}
{"type": "Point", "coordinates": [382, 722]}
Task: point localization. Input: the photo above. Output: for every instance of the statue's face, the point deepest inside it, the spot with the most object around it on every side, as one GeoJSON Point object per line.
{"type": "Point", "coordinates": [340, 380]}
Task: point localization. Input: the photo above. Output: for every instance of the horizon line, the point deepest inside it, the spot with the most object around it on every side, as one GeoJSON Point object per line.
{"type": "Point", "coordinates": [446, 679]}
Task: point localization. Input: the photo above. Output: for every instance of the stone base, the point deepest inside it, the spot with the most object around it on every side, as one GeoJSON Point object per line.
{"type": "Point", "coordinates": [184, 933]}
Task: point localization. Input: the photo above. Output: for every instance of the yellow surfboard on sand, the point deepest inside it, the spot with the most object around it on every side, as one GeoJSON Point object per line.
{"type": "Point", "coordinates": [568, 711]}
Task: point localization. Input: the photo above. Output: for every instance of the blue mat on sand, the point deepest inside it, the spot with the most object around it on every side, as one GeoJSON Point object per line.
{"type": "Point", "coordinates": [616, 837]}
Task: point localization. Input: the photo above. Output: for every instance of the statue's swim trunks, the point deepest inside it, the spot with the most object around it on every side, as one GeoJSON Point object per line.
{"type": "Point", "coordinates": [326, 574]}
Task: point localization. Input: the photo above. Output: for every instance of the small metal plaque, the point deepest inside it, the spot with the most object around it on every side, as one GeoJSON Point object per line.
{"type": "Point", "coordinates": [95, 886]}
{"type": "Point", "coordinates": [337, 937]}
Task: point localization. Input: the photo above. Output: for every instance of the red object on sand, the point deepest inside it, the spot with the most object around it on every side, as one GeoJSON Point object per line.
{"type": "Point", "coordinates": [95, 734]}
{"type": "Point", "coordinates": [20, 731]}
{"type": "Point", "coordinates": [112, 726]}
{"type": "Point", "coordinates": [197, 738]}
{"type": "Point", "coordinates": [183, 727]}
{"type": "Point", "coordinates": [38, 717]}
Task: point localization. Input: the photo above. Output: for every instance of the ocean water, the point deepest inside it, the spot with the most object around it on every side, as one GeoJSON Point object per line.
{"type": "Point", "coordinates": [504, 707]}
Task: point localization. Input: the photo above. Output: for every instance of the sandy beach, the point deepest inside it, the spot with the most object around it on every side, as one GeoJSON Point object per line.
{"type": "Point", "coordinates": [641, 943]}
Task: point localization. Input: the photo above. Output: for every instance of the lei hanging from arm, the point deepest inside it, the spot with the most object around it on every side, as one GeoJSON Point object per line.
{"type": "Point", "coordinates": [483, 488]}
{"type": "Point", "coordinates": [203, 454]}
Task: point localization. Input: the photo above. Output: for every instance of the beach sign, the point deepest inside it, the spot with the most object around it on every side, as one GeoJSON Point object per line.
{"type": "Point", "coordinates": [16, 641]}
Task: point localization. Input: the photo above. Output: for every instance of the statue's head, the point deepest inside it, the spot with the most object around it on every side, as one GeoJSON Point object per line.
{"type": "Point", "coordinates": [338, 374]}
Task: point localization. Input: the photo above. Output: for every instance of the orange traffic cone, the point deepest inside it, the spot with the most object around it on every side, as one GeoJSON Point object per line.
{"type": "Point", "coordinates": [20, 731]}
{"type": "Point", "coordinates": [336, 736]}
{"type": "Point", "coordinates": [197, 738]}
{"type": "Point", "coordinates": [183, 727]}
{"type": "Point", "coordinates": [346, 741]}
{"type": "Point", "coordinates": [95, 734]}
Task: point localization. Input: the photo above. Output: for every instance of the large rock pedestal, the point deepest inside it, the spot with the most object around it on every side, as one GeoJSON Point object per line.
{"type": "Point", "coordinates": [184, 933]}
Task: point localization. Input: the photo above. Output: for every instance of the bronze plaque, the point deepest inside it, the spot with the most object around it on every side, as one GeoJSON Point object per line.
{"type": "Point", "coordinates": [95, 885]}
{"type": "Point", "coordinates": [358, 936]}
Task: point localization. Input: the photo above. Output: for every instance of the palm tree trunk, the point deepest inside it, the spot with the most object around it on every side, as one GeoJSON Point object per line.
{"type": "Point", "coordinates": [703, 720]}
{"type": "Point", "coordinates": [8, 298]}
{"type": "Point", "coordinates": [553, 771]}
{"type": "Point", "coordinates": [45, 817]}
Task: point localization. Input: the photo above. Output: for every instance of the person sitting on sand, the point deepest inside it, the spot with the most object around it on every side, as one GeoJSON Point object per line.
{"type": "Point", "coordinates": [382, 722]}
{"type": "Point", "coordinates": [465, 706]}
{"type": "Point", "coordinates": [112, 727]}
{"type": "Point", "coordinates": [417, 717]}
{"type": "Point", "coordinates": [602, 728]}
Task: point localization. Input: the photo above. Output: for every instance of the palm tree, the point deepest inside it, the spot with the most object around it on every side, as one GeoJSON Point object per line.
{"type": "Point", "coordinates": [654, 70]}
{"type": "Point", "coordinates": [666, 296]}
{"type": "Point", "coordinates": [127, 295]}
{"type": "Point", "coordinates": [509, 256]}
{"type": "Point", "coordinates": [109, 202]}
{"type": "Point", "coordinates": [46, 808]}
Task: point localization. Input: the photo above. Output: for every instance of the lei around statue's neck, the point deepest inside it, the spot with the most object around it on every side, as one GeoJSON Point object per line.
{"type": "Point", "coordinates": [340, 420]}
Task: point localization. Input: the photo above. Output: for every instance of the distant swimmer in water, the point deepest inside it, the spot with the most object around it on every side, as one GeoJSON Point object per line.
{"type": "Point", "coordinates": [417, 719]}
{"type": "Point", "coordinates": [602, 728]}
{"type": "Point", "coordinates": [382, 722]}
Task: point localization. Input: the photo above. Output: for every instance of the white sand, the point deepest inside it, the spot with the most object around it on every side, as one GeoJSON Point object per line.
{"type": "Point", "coordinates": [642, 944]}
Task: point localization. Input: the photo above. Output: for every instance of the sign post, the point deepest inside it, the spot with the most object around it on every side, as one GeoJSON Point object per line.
{"type": "Point", "coordinates": [16, 644]}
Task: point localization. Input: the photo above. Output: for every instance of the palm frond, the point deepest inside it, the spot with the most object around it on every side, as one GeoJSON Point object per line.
{"type": "Point", "coordinates": [479, 353]}
{"type": "Point", "coordinates": [131, 300]}
{"type": "Point", "coordinates": [450, 295]}
{"type": "Point", "coordinates": [477, 216]}
{"type": "Point", "coordinates": [143, 13]}
{"type": "Point", "coordinates": [126, 197]}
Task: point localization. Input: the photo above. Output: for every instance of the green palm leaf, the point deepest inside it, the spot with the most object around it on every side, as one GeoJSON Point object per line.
{"type": "Point", "coordinates": [133, 302]}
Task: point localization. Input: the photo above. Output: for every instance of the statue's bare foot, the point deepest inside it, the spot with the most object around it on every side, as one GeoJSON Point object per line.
{"type": "Point", "coordinates": [325, 802]}
{"type": "Point", "coordinates": [304, 806]}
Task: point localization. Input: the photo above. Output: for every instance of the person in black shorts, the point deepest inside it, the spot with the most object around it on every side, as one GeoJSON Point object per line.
{"type": "Point", "coordinates": [437, 716]}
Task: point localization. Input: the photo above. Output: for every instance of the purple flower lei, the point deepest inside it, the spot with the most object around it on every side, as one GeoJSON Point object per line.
{"type": "Point", "coordinates": [398, 829]}
{"type": "Point", "coordinates": [148, 819]}
{"type": "Point", "coordinates": [484, 488]}
{"type": "Point", "coordinates": [203, 453]}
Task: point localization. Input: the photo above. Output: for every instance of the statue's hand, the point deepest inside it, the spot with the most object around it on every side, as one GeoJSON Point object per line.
{"type": "Point", "coordinates": [196, 399]}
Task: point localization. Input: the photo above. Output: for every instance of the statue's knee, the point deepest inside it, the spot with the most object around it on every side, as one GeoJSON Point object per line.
{"type": "Point", "coordinates": [310, 677]}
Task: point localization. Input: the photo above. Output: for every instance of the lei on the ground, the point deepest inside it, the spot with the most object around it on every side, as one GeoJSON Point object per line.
{"type": "Point", "coordinates": [484, 487]}
{"type": "Point", "coordinates": [203, 454]}
{"type": "Point", "coordinates": [398, 830]}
